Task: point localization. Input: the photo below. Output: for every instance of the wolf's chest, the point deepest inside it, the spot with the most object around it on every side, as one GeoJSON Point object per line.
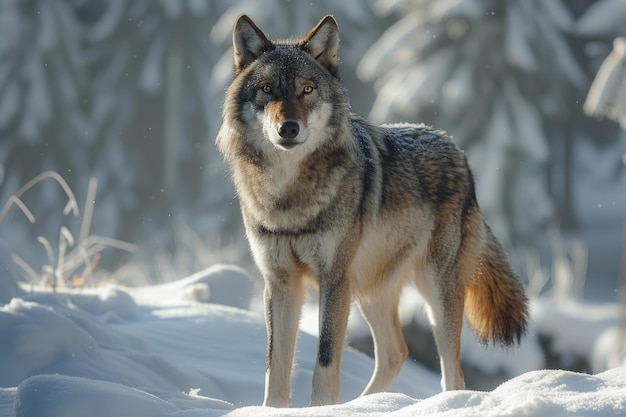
{"type": "Point", "coordinates": [291, 197]}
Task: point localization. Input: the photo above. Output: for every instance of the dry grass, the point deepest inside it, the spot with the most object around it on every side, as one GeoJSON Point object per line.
{"type": "Point", "coordinates": [71, 262]}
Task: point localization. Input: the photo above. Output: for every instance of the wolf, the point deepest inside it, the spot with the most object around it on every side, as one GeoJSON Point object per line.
{"type": "Point", "coordinates": [358, 211]}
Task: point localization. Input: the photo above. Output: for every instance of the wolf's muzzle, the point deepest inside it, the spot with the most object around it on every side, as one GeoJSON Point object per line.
{"type": "Point", "coordinates": [288, 129]}
{"type": "Point", "coordinates": [288, 132]}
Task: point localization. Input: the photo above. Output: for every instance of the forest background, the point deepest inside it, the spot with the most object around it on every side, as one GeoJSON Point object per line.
{"type": "Point", "coordinates": [123, 100]}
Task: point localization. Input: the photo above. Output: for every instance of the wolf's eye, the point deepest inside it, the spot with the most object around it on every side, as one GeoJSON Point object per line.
{"type": "Point", "coordinates": [267, 89]}
{"type": "Point", "coordinates": [308, 89]}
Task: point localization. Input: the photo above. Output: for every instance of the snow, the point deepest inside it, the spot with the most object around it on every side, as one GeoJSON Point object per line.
{"type": "Point", "coordinates": [163, 350]}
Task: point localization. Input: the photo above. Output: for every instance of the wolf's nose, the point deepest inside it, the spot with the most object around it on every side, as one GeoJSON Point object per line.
{"type": "Point", "coordinates": [288, 129]}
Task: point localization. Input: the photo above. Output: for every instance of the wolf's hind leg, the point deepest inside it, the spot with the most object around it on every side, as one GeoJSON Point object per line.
{"type": "Point", "coordinates": [444, 297]}
{"type": "Point", "coordinates": [381, 313]}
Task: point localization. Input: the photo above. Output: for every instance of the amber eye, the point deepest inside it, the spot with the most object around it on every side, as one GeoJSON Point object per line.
{"type": "Point", "coordinates": [308, 89]}
{"type": "Point", "coordinates": [267, 89]}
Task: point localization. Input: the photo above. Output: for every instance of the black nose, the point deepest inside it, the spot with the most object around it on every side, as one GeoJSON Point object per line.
{"type": "Point", "coordinates": [288, 129]}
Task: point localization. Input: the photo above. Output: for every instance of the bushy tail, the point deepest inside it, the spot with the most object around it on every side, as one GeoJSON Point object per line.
{"type": "Point", "coordinates": [496, 306]}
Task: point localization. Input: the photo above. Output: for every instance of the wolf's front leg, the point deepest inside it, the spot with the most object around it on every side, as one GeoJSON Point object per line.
{"type": "Point", "coordinates": [283, 301]}
{"type": "Point", "coordinates": [334, 310]}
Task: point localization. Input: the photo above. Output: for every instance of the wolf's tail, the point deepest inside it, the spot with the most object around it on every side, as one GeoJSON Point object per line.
{"type": "Point", "coordinates": [496, 306]}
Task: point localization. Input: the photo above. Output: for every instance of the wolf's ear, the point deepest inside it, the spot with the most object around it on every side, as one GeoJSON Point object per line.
{"type": "Point", "coordinates": [322, 42]}
{"type": "Point", "coordinates": [248, 43]}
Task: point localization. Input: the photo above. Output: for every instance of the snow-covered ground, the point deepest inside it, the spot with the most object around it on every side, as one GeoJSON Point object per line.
{"type": "Point", "coordinates": [168, 350]}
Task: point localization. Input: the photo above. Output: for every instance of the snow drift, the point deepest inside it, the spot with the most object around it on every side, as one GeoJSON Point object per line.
{"type": "Point", "coordinates": [162, 351]}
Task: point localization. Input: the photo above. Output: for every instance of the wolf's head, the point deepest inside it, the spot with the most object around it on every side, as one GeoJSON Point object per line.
{"type": "Point", "coordinates": [286, 95]}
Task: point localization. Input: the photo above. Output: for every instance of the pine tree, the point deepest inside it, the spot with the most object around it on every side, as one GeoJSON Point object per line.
{"type": "Point", "coordinates": [507, 79]}
{"type": "Point", "coordinates": [606, 20]}
{"type": "Point", "coordinates": [114, 90]}
{"type": "Point", "coordinates": [131, 93]}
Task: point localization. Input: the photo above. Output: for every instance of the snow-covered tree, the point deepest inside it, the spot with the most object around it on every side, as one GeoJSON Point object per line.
{"type": "Point", "coordinates": [607, 95]}
{"type": "Point", "coordinates": [42, 74]}
{"type": "Point", "coordinates": [507, 79]}
{"type": "Point", "coordinates": [606, 19]}
{"type": "Point", "coordinates": [131, 93]}
{"type": "Point", "coordinates": [115, 90]}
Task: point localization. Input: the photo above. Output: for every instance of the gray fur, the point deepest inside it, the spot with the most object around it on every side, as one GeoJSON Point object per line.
{"type": "Point", "coordinates": [358, 211]}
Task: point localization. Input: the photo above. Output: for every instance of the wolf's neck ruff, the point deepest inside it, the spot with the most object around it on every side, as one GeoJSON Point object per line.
{"type": "Point", "coordinates": [357, 210]}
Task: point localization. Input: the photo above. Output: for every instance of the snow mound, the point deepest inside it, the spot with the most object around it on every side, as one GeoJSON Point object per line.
{"type": "Point", "coordinates": [538, 393]}
{"type": "Point", "coordinates": [163, 351]}
{"type": "Point", "coordinates": [222, 284]}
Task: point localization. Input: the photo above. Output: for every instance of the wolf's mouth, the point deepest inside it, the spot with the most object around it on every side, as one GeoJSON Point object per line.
{"type": "Point", "coordinates": [287, 144]}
